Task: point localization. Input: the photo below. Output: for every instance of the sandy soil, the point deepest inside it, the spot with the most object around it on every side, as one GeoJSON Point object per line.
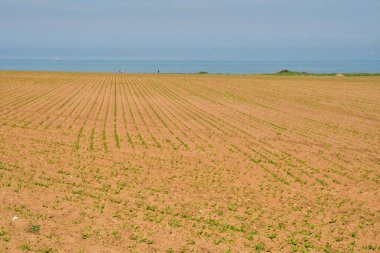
{"type": "Point", "coordinates": [97, 162]}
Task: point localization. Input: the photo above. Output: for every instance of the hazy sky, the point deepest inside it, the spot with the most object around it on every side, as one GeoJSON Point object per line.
{"type": "Point", "coordinates": [191, 29]}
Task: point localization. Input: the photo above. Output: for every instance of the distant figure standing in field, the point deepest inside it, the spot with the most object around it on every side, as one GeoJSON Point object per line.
{"type": "Point", "coordinates": [158, 71]}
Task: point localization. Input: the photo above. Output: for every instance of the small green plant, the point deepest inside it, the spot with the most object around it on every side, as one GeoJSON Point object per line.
{"type": "Point", "coordinates": [86, 235]}
{"type": "Point", "coordinates": [116, 214]}
{"type": "Point", "coordinates": [116, 234]}
{"type": "Point", "coordinates": [328, 247]}
{"type": "Point", "coordinates": [272, 235]}
{"type": "Point", "coordinates": [25, 247]}
{"type": "Point", "coordinates": [174, 223]}
{"type": "Point", "coordinates": [250, 235]}
{"type": "Point", "coordinates": [293, 241]}
{"type": "Point", "coordinates": [34, 228]}
{"type": "Point", "coordinates": [308, 245]}
{"type": "Point", "coordinates": [371, 247]}
{"type": "Point", "coordinates": [46, 250]}
{"type": "Point", "coordinates": [232, 207]}
{"type": "Point", "coordinates": [260, 246]}
{"type": "Point", "coordinates": [104, 138]}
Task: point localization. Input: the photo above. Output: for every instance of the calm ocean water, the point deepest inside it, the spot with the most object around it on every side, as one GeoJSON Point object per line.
{"type": "Point", "coordinates": [191, 66]}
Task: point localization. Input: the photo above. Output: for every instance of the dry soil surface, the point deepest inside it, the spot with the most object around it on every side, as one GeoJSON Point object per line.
{"type": "Point", "coordinates": [101, 162]}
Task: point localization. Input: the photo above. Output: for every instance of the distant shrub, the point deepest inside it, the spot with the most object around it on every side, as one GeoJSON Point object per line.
{"type": "Point", "coordinates": [288, 72]}
{"type": "Point", "coordinates": [202, 72]}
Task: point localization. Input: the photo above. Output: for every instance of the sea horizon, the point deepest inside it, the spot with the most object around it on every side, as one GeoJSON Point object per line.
{"type": "Point", "coordinates": [222, 66]}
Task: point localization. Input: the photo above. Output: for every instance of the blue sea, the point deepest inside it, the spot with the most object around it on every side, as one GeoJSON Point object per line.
{"type": "Point", "coordinates": [190, 66]}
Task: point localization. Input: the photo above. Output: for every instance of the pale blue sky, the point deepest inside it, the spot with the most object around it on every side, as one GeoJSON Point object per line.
{"type": "Point", "coordinates": [192, 29]}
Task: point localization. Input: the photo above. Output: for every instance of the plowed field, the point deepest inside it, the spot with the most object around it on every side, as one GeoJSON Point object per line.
{"type": "Point", "coordinates": [102, 162]}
